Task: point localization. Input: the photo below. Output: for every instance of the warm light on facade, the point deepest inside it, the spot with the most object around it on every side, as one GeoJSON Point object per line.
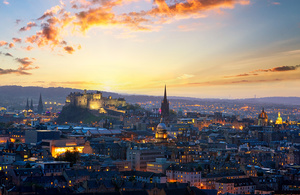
{"type": "Point", "coordinates": [56, 151]}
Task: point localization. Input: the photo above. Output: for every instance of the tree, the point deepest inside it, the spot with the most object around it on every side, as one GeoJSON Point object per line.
{"type": "Point", "coordinates": [71, 157]}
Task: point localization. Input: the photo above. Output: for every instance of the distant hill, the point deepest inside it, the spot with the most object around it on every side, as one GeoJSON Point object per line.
{"type": "Point", "coordinates": [275, 100]}
{"type": "Point", "coordinates": [17, 96]}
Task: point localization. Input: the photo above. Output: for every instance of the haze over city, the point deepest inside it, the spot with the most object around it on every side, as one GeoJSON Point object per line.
{"type": "Point", "coordinates": [198, 48]}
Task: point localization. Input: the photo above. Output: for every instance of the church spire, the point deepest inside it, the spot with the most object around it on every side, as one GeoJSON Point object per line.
{"type": "Point", "coordinates": [165, 106]}
{"type": "Point", "coordinates": [40, 106]}
{"type": "Point", "coordinates": [27, 105]}
{"type": "Point", "coordinates": [31, 105]}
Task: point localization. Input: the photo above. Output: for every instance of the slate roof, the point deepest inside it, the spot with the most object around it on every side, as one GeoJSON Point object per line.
{"type": "Point", "coordinates": [27, 172]}
{"type": "Point", "coordinates": [238, 182]}
{"type": "Point", "coordinates": [45, 179]}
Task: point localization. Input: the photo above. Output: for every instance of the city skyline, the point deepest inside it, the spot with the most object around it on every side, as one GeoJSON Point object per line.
{"type": "Point", "coordinates": [198, 48]}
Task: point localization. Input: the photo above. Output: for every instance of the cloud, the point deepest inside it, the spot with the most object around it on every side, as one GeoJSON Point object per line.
{"type": "Point", "coordinates": [56, 22]}
{"type": "Point", "coordinates": [275, 69]}
{"type": "Point", "coordinates": [25, 64]}
{"type": "Point", "coordinates": [6, 54]}
{"type": "Point", "coordinates": [17, 40]}
{"type": "Point", "coordinates": [24, 61]}
{"type": "Point", "coordinates": [29, 48]}
{"type": "Point", "coordinates": [51, 12]}
{"type": "Point", "coordinates": [11, 45]}
{"type": "Point", "coordinates": [242, 75]}
{"type": "Point", "coordinates": [49, 35]}
{"type": "Point", "coordinates": [192, 8]}
{"type": "Point", "coordinates": [95, 17]}
{"type": "Point", "coordinates": [12, 71]}
{"type": "Point", "coordinates": [185, 76]}
{"type": "Point", "coordinates": [278, 69]}
{"type": "Point", "coordinates": [275, 3]}
{"type": "Point", "coordinates": [2, 43]}
{"type": "Point", "coordinates": [28, 26]}
{"type": "Point", "coordinates": [69, 49]}
{"type": "Point", "coordinates": [5, 2]}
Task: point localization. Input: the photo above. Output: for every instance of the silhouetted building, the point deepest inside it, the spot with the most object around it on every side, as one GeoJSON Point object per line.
{"type": "Point", "coordinates": [34, 136]}
{"type": "Point", "coordinates": [40, 106]}
{"type": "Point", "coordinates": [27, 105]}
{"type": "Point", "coordinates": [31, 105]}
{"type": "Point", "coordinates": [165, 106]}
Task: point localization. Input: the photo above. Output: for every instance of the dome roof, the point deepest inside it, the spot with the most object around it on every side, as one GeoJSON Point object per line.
{"type": "Point", "coordinates": [263, 115]}
{"type": "Point", "coordinates": [161, 125]}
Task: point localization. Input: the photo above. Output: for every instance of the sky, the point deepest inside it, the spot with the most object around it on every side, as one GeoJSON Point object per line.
{"type": "Point", "coordinates": [198, 48]}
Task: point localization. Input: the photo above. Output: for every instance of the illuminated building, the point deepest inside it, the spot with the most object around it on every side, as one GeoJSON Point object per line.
{"type": "Point", "coordinates": [145, 177]}
{"type": "Point", "coordinates": [278, 120]}
{"type": "Point", "coordinates": [58, 147]}
{"type": "Point", "coordinates": [161, 134]}
{"type": "Point", "coordinates": [159, 166]}
{"type": "Point", "coordinates": [93, 101]}
{"type": "Point", "coordinates": [263, 118]}
{"type": "Point", "coordinates": [183, 174]}
{"type": "Point", "coordinates": [235, 186]}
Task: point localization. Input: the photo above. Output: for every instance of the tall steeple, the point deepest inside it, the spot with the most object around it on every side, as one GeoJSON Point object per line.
{"type": "Point", "coordinates": [165, 106]}
{"type": "Point", "coordinates": [31, 105]}
{"type": "Point", "coordinates": [40, 106]}
{"type": "Point", "coordinates": [27, 105]}
{"type": "Point", "coordinates": [165, 94]}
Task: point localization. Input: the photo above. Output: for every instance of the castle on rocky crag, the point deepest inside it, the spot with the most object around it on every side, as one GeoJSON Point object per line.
{"type": "Point", "coordinates": [94, 101]}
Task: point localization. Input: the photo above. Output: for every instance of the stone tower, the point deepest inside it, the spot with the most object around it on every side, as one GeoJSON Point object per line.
{"type": "Point", "coordinates": [40, 106]}
{"type": "Point", "coordinates": [165, 106]}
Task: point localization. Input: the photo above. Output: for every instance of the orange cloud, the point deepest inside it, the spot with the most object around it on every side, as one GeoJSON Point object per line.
{"type": "Point", "coordinates": [54, 22]}
{"type": "Point", "coordinates": [28, 48]}
{"type": "Point", "coordinates": [11, 45]}
{"type": "Point", "coordinates": [192, 8]}
{"type": "Point", "coordinates": [95, 17]}
{"type": "Point", "coordinates": [2, 43]}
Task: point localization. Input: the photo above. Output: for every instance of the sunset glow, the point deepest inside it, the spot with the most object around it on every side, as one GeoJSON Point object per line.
{"type": "Point", "coordinates": [198, 48]}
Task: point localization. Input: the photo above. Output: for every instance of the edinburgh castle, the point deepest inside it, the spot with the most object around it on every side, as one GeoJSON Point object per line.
{"type": "Point", "coordinates": [94, 101]}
